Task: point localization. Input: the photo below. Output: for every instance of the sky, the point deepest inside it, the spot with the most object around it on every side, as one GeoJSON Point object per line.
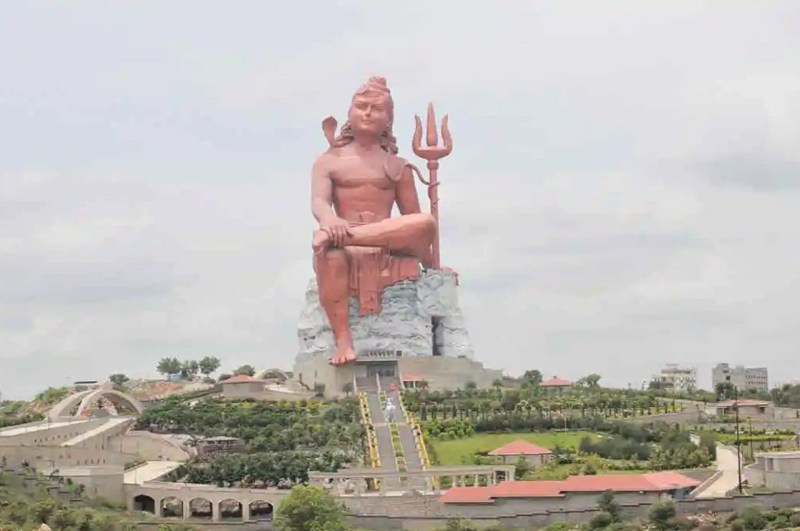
{"type": "Point", "coordinates": [624, 190]}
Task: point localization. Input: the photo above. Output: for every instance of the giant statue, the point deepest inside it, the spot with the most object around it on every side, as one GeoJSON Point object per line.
{"type": "Point", "coordinates": [359, 247]}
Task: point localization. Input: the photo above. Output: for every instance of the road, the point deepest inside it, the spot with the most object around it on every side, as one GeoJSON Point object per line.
{"type": "Point", "coordinates": [727, 476]}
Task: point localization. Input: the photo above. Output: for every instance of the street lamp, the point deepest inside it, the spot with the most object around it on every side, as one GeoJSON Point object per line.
{"type": "Point", "coordinates": [738, 441]}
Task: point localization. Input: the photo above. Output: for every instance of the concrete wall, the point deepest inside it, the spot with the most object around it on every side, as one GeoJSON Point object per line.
{"type": "Point", "coordinates": [775, 470]}
{"type": "Point", "coordinates": [149, 446]}
{"type": "Point", "coordinates": [49, 457]}
{"type": "Point", "coordinates": [49, 434]}
{"type": "Point", "coordinates": [99, 438]}
{"type": "Point", "coordinates": [243, 389]}
{"type": "Point", "coordinates": [105, 481]}
{"type": "Point", "coordinates": [535, 461]}
{"type": "Point", "coordinates": [689, 416]}
{"type": "Point", "coordinates": [449, 373]}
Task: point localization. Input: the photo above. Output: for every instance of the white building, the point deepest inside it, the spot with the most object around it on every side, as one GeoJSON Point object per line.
{"type": "Point", "coordinates": [743, 378]}
{"type": "Point", "coordinates": [677, 378]}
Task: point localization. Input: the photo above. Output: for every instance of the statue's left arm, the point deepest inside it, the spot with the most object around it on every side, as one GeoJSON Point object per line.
{"type": "Point", "coordinates": [407, 197]}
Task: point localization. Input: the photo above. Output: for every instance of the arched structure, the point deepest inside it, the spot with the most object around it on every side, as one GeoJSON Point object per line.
{"type": "Point", "coordinates": [77, 404]}
{"type": "Point", "coordinates": [204, 501]}
{"type": "Point", "coordinates": [261, 510]}
{"type": "Point", "coordinates": [145, 503]}
{"type": "Point", "coordinates": [276, 374]}
{"type": "Point", "coordinates": [230, 509]}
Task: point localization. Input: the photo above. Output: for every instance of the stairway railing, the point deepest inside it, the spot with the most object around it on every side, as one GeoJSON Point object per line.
{"type": "Point", "coordinates": [419, 440]}
{"type": "Point", "coordinates": [372, 441]}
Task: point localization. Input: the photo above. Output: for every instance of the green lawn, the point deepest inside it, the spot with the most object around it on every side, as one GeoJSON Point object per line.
{"type": "Point", "coordinates": [461, 450]}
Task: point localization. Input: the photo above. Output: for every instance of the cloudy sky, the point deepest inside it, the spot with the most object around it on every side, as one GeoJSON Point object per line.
{"type": "Point", "coordinates": [624, 191]}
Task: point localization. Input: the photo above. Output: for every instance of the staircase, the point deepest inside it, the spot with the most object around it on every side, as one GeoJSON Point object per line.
{"type": "Point", "coordinates": [403, 454]}
{"type": "Point", "coordinates": [386, 457]}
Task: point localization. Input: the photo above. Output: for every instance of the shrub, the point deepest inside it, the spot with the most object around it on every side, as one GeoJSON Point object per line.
{"type": "Point", "coordinates": [795, 520]}
{"type": "Point", "coordinates": [661, 512]}
{"type": "Point", "coordinates": [601, 520]}
{"type": "Point", "coordinates": [752, 518]}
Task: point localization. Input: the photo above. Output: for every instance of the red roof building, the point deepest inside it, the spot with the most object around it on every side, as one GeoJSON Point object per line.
{"type": "Point", "coordinates": [556, 382]}
{"type": "Point", "coordinates": [520, 447]}
{"type": "Point", "coordinates": [650, 483]}
{"type": "Point", "coordinates": [243, 386]}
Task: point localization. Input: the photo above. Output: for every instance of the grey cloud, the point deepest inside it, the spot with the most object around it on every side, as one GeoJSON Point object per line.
{"type": "Point", "coordinates": [756, 170]}
{"type": "Point", "coordinates": [154, 178]}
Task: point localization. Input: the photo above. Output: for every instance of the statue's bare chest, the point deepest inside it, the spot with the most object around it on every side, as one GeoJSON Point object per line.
{"type": "Point", "coordinates": [353, 172]}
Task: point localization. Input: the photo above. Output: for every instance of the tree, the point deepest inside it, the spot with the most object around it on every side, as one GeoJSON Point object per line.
{"type": "Point", "coordinates": [189, 369]}
{"type": "Point", "coordinates": [118, 379]}
{"type": "Point", "coordinates": [593, 380]}
{"type": "Point", "coordinates": [167, 366]}
{"type": "Point", "coordinates": [247, 370]}
{"type": "Point", "coordinates": [309, 508]}
{"type": "Point", "coordinates": [533, 376]}
{"type": "Point", "coordinates": [347, 388]}
{"type": "Point", "coordinates": [725, 390]}
{"type": "Point", "coordinates": [521, 468]}
{"type": "Point", "coordinates": [208, 365]}
{"type": "Point", "coordinates": [608, 504]}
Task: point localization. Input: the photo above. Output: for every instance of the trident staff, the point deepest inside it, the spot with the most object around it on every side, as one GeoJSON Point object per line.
{"type": "Point", "coordinates": [432, 153]}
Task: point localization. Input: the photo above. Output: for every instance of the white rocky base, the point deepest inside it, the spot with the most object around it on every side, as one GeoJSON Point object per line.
{"type": "Point", "coordinates": [405, 323]}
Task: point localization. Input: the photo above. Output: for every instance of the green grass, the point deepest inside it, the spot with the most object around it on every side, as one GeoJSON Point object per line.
{"type": "Point", "coordinates": [461, 450]}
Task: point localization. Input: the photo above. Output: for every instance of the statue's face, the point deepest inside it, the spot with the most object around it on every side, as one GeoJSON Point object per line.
{"type": "Point", "coordinates": [370, 113]}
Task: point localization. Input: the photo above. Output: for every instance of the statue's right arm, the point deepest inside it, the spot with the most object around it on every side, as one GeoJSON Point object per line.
{"type": "Point", "coordinates": [322, 191]}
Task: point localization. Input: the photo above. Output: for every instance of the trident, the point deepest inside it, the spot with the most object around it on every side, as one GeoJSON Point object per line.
{"type": "Point", "coordinates": [432, 153]}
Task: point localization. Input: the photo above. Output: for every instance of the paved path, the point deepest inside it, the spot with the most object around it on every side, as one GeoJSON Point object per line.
{"type": "Point", "coordinates": [149, 471]}
{"type": "Point", "coordinates": [110, 423]}
{"type": "Point", "coordinates": [727, 476]}
{"type": "Point", "coordinates": [30, 428]}
{"type": "Point", "coordinates": [384, 438]}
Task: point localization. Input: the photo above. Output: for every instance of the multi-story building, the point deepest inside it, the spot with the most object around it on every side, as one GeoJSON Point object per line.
{"type": "Point", "coordinates": [677, 378]}
{"type": "Point", "coordinates": [741, 377]}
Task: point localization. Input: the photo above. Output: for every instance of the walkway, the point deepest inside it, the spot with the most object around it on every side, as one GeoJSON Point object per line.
{"type": "Point", "coordinates": [110, 424]}
{"type": "Point", "coordinates": [407, 440]}
{"type": "Point", "coordinates": [30, 428]}
{"type": "Point", "coordinates": [725, 479]}
{"type": "Point", "coordinates": [149, 471]}
{"type": "Point", "coordinates": [384, 438]}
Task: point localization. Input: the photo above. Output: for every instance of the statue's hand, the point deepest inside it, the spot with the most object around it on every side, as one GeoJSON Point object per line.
{"type": "Point", "coordinates": [338, 229]}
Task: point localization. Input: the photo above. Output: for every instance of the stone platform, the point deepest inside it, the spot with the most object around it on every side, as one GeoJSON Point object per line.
{"type": "Point", "coordinates": [418, 335]}
{"type": "Point", "coordinates": [418, 318]}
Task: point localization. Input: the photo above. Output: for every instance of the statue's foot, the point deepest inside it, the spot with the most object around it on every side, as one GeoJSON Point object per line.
{"type": "Point", "coordinates": [343, 354]}
{"type": "Point", "coordinates": [320, 241]}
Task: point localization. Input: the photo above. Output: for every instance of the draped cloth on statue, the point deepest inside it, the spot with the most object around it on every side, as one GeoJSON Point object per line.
{"type": "Point", "coordinates": [374, 268]}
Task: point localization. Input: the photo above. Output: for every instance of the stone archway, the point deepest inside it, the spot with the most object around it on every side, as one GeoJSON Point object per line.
{"type": "Point", "coordinates": [261, 510]}
{"type": "Point", "coordinates": [123, 403]}
{"type": "Point", "coordinates": [230, 509]}
{"type": "Point", "coordinates": [145, 503]}
{"type": "Point", "coordinates": [172, 506]}
{"type": "Point", "coordinates": [201, 508]}
{"type": "Point", "coordinates": [77, 404]}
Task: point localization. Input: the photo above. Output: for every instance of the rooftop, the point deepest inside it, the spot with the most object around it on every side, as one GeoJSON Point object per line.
{"type": "Point", "coordinates": [239, 378]}
{"type": "Point", "coordinates": [650, 482]}
{"type": "Point", "coordinates": [743, 402]}
{"type": "Point", "coordinates": [520, 447]}
{"type": "Point", "coordinates": [555, 381]}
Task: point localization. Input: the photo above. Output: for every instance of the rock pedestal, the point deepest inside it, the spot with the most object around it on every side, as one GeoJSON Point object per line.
{"type": "Point", "coordinates": [418, 318]}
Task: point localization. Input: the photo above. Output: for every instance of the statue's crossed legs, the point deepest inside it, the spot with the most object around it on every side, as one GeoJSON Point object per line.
{"type": "Point", "coordinates": [411, 234]}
